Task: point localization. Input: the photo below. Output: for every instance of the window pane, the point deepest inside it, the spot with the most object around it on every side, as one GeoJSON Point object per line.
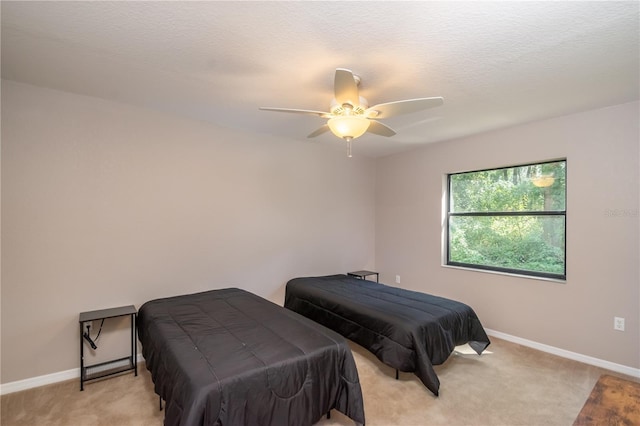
{"type": "Point", "coordinates": [512, 189]}
{"type": "Point", "coordinates": [525, 243]}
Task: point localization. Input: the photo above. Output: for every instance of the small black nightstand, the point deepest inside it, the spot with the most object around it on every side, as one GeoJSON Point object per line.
{"type": "Point", "coordinates": [363, 274]}
{"type": "Point", "coordinates": [103, 369]}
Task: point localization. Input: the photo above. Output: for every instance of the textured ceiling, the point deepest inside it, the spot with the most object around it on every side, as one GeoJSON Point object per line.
{"type": "Point", "coordinates": [495, 63]}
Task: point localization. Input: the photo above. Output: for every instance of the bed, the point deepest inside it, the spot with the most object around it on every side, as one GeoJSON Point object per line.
{"type": "Point", "coordinates": [407, 330]}
{"type": "Point", "coordinates": [230, 357]}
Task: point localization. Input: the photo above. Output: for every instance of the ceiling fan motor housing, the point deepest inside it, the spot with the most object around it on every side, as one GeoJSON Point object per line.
{"type": "Point", "coordinates": [339, 109]}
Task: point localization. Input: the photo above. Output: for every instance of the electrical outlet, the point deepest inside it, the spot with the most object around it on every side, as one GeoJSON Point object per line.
{"type": "Point", "coordinates": [397, 279]}
{"type": "Point", "coordinates": [87, 324]}
{"type": "Point", "coordinates": [618, 323]}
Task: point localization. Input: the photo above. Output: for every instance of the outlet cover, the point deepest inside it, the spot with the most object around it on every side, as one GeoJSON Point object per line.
{"type": "Point", "coordinates": [397, 279]}
{"type": "Point", "coordinates": [618, 323]}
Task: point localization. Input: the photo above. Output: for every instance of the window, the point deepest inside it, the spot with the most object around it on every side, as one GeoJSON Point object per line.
{"type": "Point", "coordinates": [511, 219]}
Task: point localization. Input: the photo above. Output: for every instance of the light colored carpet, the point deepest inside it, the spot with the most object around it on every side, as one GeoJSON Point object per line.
{"type": "Point", "coordinates": [513, 385]}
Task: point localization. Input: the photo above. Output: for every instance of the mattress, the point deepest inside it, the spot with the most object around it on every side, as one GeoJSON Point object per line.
{"type": "Point", "coordinates": [230, 357]}
{"type": "Point", "coordinates": [407, 330]}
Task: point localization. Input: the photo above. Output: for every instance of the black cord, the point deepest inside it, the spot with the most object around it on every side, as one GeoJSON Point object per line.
{"type": "Point", "coordinates": [87, 337]}
{"type": "Point", "coordinates": [99, 331]}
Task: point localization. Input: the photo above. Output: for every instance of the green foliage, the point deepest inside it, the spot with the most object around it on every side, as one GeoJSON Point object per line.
{"type": "Point", "coordinates": [527, 242]}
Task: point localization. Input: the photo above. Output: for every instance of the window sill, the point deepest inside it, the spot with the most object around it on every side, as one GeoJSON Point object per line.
{"type": "Point", "coordinates": [509, 274]}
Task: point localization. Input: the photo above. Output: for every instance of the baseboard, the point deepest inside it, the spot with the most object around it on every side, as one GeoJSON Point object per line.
{"type": "Point", "coordinates": [74, 373]}
{"type": "Point", "coordinates": [34, 382]}
{"type": "Point", "coordinates": [47, 379]}
{"type": "Point", "coordinates": [619, 368]}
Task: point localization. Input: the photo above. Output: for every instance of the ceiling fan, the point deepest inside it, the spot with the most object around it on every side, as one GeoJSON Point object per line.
{"type": "Point", "coordinates": [351, 116]}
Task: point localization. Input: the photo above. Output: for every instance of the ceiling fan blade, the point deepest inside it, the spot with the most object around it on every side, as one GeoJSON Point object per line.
{"type": "Point", "coordinates": [298, 111]}
{"type": "Point", "coordinates": [377, 128]}
{"type": "Point", "coordinates": [346, 88]}
{"type": "Point", "coordinates": [391, 109]}
{"type": "Point", "coordinates": [319, 131]}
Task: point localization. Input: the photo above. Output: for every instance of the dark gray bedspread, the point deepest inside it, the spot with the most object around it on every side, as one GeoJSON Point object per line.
{"type": "Point", "coordinates": [229, 357]}
{"type": "Point", "coordinates": [407, 330]}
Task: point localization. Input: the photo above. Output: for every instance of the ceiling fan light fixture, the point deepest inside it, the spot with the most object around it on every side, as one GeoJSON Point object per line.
{"type": "Point", "coordinates": [348, 126]}
{"type": "Point", "coordinates": [350, 115]}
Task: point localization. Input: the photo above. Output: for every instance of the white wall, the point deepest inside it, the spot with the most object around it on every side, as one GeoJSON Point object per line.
{"type": "Point", "coordinates": [105, 204]}
{"type": "Point", "coordinates": [603, 159]}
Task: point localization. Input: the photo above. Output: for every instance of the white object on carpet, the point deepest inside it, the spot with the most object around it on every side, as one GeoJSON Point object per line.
{"type": "Point", "coordinates": [468, 350]}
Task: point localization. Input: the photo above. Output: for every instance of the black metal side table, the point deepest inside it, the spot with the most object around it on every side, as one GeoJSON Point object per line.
{"type": "Point", "coordinates": [364, 274]}
{"type": "Point", "coordinates": [103, 369]}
